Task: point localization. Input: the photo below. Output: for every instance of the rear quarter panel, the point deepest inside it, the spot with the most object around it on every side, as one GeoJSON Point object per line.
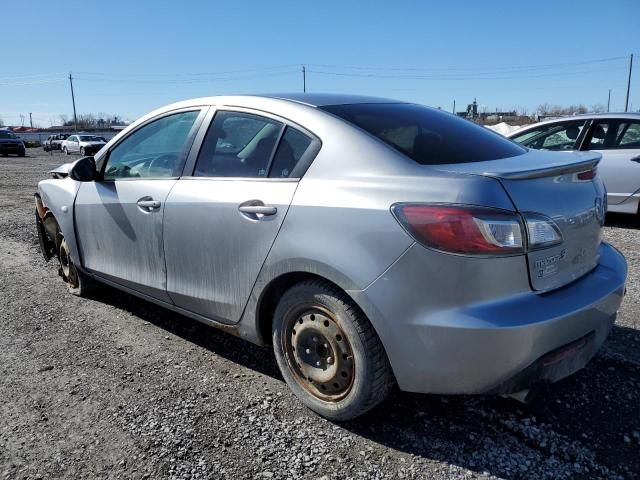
{"type": "Point", "coordinates": [340, 226]}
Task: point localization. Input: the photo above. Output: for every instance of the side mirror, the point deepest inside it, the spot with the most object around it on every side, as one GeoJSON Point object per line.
{"type": "Point", "coordinates": [84, 170]}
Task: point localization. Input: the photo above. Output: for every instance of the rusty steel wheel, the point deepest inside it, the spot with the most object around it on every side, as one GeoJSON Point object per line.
{"type": "Point", "coordinates": [328, 351]}
{"type": "Point", "coordinates": [318, 352]}
{"type": "Point", "coordinates": [77, 282]}
{"type": "Point", "coordinates": [67, 268]}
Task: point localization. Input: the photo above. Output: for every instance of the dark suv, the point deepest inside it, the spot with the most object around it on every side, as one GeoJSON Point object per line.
{"type": "Point", "coordinates": [10, 143]}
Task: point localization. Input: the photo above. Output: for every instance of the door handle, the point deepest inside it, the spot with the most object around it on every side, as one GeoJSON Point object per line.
{"type": "Point", "coordinates": [636, 159]}
{"type": "Point", "coordinates": [148, 204]}
{"type": "Point", "coordinates": [258, 209]}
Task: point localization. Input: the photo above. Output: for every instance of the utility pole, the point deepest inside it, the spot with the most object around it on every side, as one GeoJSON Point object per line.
{"type": "Point", "coordinates": [454, 106]}
{"type": "Point", "coordinates": [609, 101]}
{"type": "Point", "coordinates": [73, 100]}
{"type": "Point", "coordinates": [304, 79]}
{"type": "Point", "coordinates": [30, 120]}
{"type": "Point", "coordinates": [626, 102]}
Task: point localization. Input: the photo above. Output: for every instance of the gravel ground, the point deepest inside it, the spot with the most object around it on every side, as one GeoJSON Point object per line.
{"type": "Point", "coordinates": [117, 387]}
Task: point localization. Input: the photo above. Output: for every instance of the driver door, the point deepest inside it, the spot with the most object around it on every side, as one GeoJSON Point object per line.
{"type": "Point", "coordinates": [119, 216]}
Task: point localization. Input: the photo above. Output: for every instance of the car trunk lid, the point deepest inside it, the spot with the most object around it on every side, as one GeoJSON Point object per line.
{"type": "Point", "coordinates": [547, 183]}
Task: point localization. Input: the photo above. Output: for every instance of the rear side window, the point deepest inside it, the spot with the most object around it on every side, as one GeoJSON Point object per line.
{"type": "Point", "coordinates": [238, 145]}
{"type": "Point", "coordinates": [426, 135]}
{"type": "Point", "coordinates": [293, 145]}
{"type": "Point", "coordinates": [614, 134]}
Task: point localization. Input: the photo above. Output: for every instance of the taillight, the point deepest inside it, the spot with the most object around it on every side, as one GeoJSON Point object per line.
{"type": "Point", "coordinates": [476, 230]}
{"type": "Point", "coordinates": [587, 174]}
{"type": "Point", "coordinates": [463, 229]}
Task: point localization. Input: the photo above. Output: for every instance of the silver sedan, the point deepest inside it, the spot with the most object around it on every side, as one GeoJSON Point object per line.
{"type": "Point", "coordinates": [616, 136]}
{"type": "Point", "coordinates": [371, 242]}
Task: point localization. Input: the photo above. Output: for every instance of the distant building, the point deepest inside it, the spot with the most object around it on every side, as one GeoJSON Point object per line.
{"type": "Point", "coordinates": [472, 114]}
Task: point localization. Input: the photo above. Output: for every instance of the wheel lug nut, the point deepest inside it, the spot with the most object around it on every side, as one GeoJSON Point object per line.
{"type": "Point", "coordinates": [315, 339]}
{"type": "Point", "coordinates": [318, 363]}
{"type": "Point", "coordinates": [308, 351]}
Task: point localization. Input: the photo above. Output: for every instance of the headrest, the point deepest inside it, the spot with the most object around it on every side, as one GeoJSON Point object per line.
{"type": "Point", "coordinates": [598, 132]}
{"type": "Point", "coordinates": [573, 132]}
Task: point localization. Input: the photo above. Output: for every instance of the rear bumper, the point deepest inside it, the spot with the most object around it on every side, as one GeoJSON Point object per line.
{"type": "Point", "coordinates": [494, 346]}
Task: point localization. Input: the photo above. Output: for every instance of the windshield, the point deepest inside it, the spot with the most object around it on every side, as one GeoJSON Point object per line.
{"type": "Point", "coordinates": [90, 138]}
{"type": "Point", "coordinates": [7, 135]}
{"type": "Point", "coordinates": [426, 135]}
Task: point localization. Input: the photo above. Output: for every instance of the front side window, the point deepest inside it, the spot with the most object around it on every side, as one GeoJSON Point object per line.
{"type": "Point", "coordinates": [426, 135]}
{"type": "Point", "coordinates": [157, 149]}
{"type": "Point", "coordinates": [238, 145]}
{"type": "Point", "coordinates": [557, 136]}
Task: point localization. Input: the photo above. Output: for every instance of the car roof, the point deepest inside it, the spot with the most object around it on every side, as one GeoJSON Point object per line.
{"type": "Point", "coordinates": [308, 99]}
{"type": "Point", "coordinates": [589, 116]}
{"type": "Point", "coordinates": [326, 99]}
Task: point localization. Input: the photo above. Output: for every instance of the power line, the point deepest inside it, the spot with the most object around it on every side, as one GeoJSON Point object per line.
{"type": "Point", "coordinates": [195, 74]}
{"type": "Point", "coordinates": [474, 69]}
{"type": "Point", "coordinates": [27, 76]}
{"type": "Point", "coordinates": [187, 80]}
{"type": "Point", "coordinates": [39, 82]}
{"type": "Point", "coordinates": [457, 77]}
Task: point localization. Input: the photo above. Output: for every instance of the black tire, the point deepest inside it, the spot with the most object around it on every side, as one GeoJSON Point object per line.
{"type": "Point", "coordinates": [356, 375]}
{"type": "Point", "coordinates": [22, 154]}
{"type": "Point", "coordinates": [77, 282]}
{"type": "Point", "coordinates": [65, 151]}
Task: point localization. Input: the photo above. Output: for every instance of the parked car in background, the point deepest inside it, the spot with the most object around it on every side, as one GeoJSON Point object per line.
{"type": "Point", "coordinates": [54, 142]}
{"type": "Point", "coordinates": [616, 136]}
{"type": "Point", "coordinates": [83, 144]}
{"type": "Point", "coordinates": [11, 144]}
{"type": "Point", "coordinates": [371, 242]}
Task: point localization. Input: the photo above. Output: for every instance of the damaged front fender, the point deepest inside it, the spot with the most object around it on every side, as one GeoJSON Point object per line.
{"type": "Point", "coordinates": [46, 228]}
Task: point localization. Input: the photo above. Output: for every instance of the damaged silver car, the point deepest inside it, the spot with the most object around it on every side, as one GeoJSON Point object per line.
{"type": "Point", "coordinates": [372, 242]}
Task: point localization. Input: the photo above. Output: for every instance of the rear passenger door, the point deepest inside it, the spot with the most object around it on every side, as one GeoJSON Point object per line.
{"type": "Point", "coordinates": [221, 220]}
{"type": "Point", "coordinates": [618, 140]}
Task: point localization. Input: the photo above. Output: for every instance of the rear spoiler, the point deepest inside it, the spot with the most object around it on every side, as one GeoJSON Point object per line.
{"type": "Point", "coordinates": [532, 164]}
{"type": "Point", "coordinates": [549, 171]}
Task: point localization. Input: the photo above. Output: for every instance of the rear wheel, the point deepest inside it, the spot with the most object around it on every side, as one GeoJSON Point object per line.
{"type": "Point", "coordinates": [328, 352]}
{"type": "Point", "coordinates": [82, 151]}
{"type": "Point", "coordinates": [77, 282]}
{"type": "Point", "coordinates": [65, 151]}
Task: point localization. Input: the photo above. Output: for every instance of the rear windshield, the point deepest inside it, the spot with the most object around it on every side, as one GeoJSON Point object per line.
{"type": "Point", "coordinates": [426, 135]}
